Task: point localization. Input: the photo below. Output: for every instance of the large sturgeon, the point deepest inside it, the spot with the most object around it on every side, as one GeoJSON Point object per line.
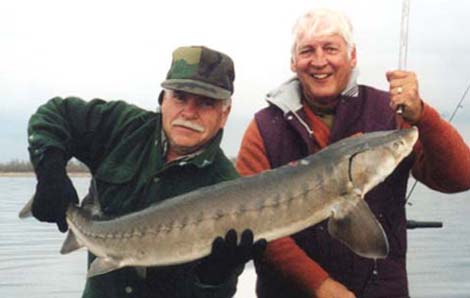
{"type": "Point", "coordinates": [329, 184]}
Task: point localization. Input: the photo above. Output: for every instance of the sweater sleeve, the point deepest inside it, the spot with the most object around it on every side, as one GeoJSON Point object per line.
{"type": "Point", "coordinates": [282, 255]}
{"type": "Point", "coordinates": [252, 157]}
{"type": "Point", "coordinates": [442, 157]}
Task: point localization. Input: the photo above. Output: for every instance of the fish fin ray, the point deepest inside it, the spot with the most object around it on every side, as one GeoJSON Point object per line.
{"type": "Point", "coordinates": [91, 203]}
{"type": "Point", "coordinates": [26, 211]}
{"type": "Point", "coordinates": [103, 265]}
{"type": "Point", "coordinates": [354, 224]}
{"type": "Point", "coordinates": [71, 243]}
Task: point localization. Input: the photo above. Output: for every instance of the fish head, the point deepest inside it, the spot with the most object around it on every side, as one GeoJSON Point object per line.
{"type": "Point", "coordinates": [377, 156]}
{"type": "Point", "coordinates": [370, 159]}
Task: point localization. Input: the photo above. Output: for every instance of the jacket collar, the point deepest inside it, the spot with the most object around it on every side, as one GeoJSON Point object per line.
{"type": "Point", "coordinates": [206, 155]}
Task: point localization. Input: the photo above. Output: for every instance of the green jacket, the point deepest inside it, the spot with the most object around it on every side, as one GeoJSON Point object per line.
{"type": "Point", "coordinates": [123, 147]}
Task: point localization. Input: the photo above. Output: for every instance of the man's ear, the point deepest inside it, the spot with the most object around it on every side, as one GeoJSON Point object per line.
{"type": "Point", "coordinates": [293, 67]}
{"type": "Point", "coordinates": [160, 97]}
{"type": "Point", "coordinates": [353, 60]}
{"type": "Point", "coordinates": [225, 114]}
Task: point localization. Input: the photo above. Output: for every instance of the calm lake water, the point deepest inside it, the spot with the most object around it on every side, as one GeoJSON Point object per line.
{"type": "Point", "coordinates": [31, 266]}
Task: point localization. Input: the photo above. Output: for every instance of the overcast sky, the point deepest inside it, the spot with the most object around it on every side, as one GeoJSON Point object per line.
{"type": "Point", "coordinates": [122, 50]}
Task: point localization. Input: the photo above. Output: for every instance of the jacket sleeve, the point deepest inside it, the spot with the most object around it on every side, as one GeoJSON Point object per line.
{"type": "Point", "coordinates": [282, 255]}
{"type": "Point", "coordinates": [81, 129]}
{"type": "Point", "coordinates": [442, 157]}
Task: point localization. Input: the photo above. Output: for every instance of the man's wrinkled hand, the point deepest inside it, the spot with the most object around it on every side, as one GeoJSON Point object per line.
{"type": "Point", "coordinates": [404, 92]}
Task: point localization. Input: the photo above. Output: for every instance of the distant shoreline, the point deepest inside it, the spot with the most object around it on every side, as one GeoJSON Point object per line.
{"type": "Point", "coordinates": [31, 174]}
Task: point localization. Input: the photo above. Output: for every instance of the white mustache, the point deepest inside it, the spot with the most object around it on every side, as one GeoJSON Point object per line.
{"type": "Point", "coordinates": [188, 124]}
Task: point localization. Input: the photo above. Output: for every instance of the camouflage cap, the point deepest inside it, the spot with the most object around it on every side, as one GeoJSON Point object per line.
{"type": "Point", "coordinates": [202, 71]}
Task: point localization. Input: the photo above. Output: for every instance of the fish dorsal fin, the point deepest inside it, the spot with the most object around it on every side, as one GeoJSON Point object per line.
{"type": "Point", "coordinates": [71, 243]}
{"type": "Point", "coordinates": [354, 224]}
{"type": "Point", "coordinates": [103, 265]}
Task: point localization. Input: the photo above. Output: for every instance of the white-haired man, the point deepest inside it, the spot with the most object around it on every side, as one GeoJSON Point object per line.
{"type": "Point", "coordinates": [322, 105]}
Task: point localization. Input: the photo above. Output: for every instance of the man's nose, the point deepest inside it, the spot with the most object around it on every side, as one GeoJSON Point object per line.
{"type": "Point", "coordinates": [318, 59]}
{"type": "Point", "coordinates": [191, 108]}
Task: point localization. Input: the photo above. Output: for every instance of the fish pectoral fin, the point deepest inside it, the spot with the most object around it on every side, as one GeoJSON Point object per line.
{"type": "Point", "coordinates": [103, 265]}
{"type": "Point", "coordinates": [354, 224]}
{"type": "Point", "coordinates": [27, 210]}
{"type": "Point", "coordinates": [91, 203]}
{"type": "Point", "coordinates": [71, 243]}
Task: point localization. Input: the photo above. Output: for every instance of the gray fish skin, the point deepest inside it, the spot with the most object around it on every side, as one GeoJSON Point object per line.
{"type": "Point", "coordinates": [330, 185]}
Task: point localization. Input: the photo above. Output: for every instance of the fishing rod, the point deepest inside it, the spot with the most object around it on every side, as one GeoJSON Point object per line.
{"type": "Point", "coordinates": [459, 106]}
{"type": "Point", "coordinates": [402, 55]}
{"type": "Point", "coordinates": [402, 59]}
{"type": "Point", "coordinates": [414, 224]}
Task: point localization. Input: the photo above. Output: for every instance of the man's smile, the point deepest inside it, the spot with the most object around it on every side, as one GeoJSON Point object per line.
{"type": "Point", "coordinates": [321, 76]}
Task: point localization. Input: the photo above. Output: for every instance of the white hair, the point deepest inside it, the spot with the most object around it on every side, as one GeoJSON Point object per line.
{"type": "Point", "coordinates": [320, 22]}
